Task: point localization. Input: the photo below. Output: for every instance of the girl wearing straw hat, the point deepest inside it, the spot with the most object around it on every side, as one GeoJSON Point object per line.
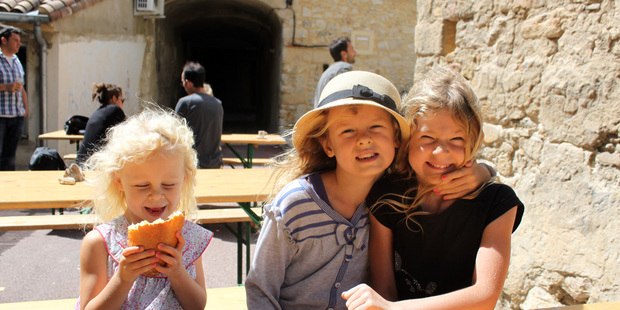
{"type": "Point", "coordinates": [314, 242]}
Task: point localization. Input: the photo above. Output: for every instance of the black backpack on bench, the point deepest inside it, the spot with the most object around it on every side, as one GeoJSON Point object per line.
{"type": "Point", "coordinates": [45, 158]}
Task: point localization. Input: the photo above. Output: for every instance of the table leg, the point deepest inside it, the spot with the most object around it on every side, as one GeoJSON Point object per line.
{"type": "Point", "coordinates": [240, 242]}
{"type": "Point", "coordinates": [248, 229]}
{"type": "Point", "coordinates": [239, 254]}
{"type": "Point", "coordinates": [244, 162]}
{"type": "Point", "coordinates": [250, 153]}
{"type": "Point", "coordinates": [246, 206]}
{"type": "Point", "coordinates": [77, 145]}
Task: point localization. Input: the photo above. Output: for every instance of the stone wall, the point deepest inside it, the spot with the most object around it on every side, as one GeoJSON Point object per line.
{"type": "Point", "coordinates": [389, 24]}
{"type": "Point", "coordinates": [547, 76]}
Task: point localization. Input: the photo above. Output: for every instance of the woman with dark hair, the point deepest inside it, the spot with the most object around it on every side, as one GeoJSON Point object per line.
{"type": "Point", "coordinates": [110, 113]}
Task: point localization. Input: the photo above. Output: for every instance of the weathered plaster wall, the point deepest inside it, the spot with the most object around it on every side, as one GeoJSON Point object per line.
{"type": "Point", "coordinates": [547, 75]}
{"type": "Point", "coordinates": [103, 43]}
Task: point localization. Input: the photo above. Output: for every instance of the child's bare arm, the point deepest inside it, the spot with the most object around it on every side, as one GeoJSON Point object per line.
{"type": "Point", "coordinates": [363, 297]}
{"type": "Point", "coordinates": [191, 293]}
{"type": "Point", "coordinates": [490, 273]}
{"type": "Point", "coordinates": [95, 290]}
{"type": "Point", "coordinates": [93, 276]}
{"type": "Point", "coordinates": [381, 256]}
{"type": "Point", "coordinates": [461, 182]}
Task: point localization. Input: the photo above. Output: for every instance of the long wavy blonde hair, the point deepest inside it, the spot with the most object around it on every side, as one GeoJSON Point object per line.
{"type": "Point", "coordinates": [153, 131]}
{"type": "Point", "coordinates": [441, 89]}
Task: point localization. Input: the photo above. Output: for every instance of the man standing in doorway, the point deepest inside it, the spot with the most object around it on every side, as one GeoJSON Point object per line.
{"type": "Point", "coordinates": [343, 53]}
{"type": "Point", "coordinates": [204, 115]}
{"type": "Point", "coordinates": [13, 100]}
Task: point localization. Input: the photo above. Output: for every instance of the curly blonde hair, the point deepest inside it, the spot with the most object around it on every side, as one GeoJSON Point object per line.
{"type": "Point", "coordinates": [141, 136]}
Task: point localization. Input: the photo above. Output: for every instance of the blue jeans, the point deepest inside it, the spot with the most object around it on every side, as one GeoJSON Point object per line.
{"type": "Point", "coordinates": [10, 132]}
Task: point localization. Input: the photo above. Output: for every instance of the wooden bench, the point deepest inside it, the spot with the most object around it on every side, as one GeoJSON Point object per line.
{"type": "Point", "coordinates": [85, 221]}
{"type": "Point", "coordinates": [237, 161]}
{"type": "Point", "coordinates": [70, 157]}
{"type": "Point", "coordinates": [230, 298]}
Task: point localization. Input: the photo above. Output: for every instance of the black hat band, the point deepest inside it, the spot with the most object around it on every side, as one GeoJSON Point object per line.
{"type": "Point", "coordinates": [361, 92]}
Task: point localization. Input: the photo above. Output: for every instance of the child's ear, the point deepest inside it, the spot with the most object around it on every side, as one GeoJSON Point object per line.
{"type": "Point", "coordinates": [327, 148]}
{"type": "Point", "coordinates": [118, 182]}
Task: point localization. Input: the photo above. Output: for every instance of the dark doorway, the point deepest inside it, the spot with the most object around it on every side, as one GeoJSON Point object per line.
{"type": "Point", "coordinates": [239, 44]}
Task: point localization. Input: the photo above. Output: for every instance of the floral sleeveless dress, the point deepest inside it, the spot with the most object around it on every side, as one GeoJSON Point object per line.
{"type": "Point", "coordinates": [151, 292]}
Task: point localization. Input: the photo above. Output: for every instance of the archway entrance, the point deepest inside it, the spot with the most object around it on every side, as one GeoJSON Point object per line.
{"type": "Point", "coordinates": [239, 43]}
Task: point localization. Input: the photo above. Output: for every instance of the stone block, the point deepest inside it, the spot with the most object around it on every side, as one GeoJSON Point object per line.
{"type": "Point", "coordinates": [428, 39]}
{"type": "Point", "coordinates": [607, 158]}
{"type": "Point", "coordinates": [539, 298]}
{"type": "Point", "coordinates": [491, 133]}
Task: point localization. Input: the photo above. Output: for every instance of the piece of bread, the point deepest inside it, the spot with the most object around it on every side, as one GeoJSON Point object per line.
{"type": "Point", "coordinates": [149, 235]}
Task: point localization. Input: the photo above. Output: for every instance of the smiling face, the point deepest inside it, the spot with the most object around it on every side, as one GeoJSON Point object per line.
{"type": "Point", "coordinates": [437, 147]}
{"type": "Point", "coordinates": [362, 138]}
{"type": "Point", "coordinates": [152, 188]}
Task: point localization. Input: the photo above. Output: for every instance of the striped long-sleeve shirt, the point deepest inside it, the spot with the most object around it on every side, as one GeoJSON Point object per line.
{"type": "Point", "coordinates": [307, 254]}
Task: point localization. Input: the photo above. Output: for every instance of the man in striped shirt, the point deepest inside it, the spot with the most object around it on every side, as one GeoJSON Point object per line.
{"type": "Point", "coordinates": [13, 101]}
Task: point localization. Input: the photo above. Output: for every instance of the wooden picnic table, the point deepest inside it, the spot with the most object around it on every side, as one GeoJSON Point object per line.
{"type": "Point", "coordinates": [41, 189]}
{"type": "Point", "coordinates": [251, 140]}
{"type": "Point", "coordinates": [60, 135]}
{"type": "Point", "coordinates": [63, 136]}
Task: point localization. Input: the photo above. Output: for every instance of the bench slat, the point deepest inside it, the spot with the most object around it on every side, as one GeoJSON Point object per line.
{"type": "Point", "coordinates": [80, 221]}
{"type": "Point", "coordinates": [232, 298]}
{"type": "Point", "coordinates": [255, 161]}
{"type": "Point", "coordinates": [70, 157]}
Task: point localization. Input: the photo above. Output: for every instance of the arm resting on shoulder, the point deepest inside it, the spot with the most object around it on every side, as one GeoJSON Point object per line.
{"type": "Point", "coordinates": [461, 183]}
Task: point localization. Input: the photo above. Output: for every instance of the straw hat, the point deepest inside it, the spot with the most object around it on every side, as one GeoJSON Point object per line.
{"type": "Point", "coordinates": [355, 88]}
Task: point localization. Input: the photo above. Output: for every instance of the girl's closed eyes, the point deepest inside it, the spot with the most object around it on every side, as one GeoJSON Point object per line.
{"type": "Point", "coordinates": [163, 184]}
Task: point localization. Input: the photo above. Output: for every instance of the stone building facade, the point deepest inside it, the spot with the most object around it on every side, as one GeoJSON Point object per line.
{"type": "Point", "coordinates": [547, 74]}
